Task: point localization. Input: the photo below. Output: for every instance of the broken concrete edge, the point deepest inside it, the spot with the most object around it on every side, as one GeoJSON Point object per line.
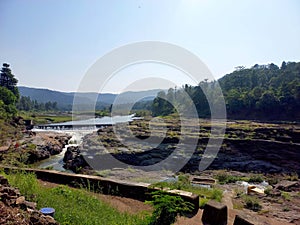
{"type": "Point", "coordinates": [135, 190]}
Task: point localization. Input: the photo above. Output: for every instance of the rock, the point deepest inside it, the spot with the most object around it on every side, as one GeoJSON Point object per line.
{"type": "Point", "coordinates": [16, 210]}
{"type": "Point", "coordinates": [275, 192]}
{"type": "Point", "coordinates": [20, 200]}
{"type": "Point", "coordinates": [239, 220]}
{"type": "Point", "coordinates": [38, 155]}
{"type": "Point", "coordinates": [286, 185]}
{"type": "Point", "coordinates": [11, 192]}
{"type": "Point", "coordinates": [71, 153]}
{"type": "Point", "coordinates": [29, 205]}
{"type": "Point", "coordinates": [214, 213]}
{"type": "Point", "coordinates": [3, 181]}
{"type": "Point", "coordinates": [38, 218]}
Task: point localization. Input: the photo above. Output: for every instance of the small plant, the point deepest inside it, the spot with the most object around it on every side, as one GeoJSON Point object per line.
{"type": "Point", "coordinates": [202, 202]}
{"type": "Point", "coordinates": [252, 203]}
{"type": "Point", "coordinates": [49, 168]}
{"type": "Point", "coordinates": [238, 205]}
{"type": "Point", "coordinates": [292, 177]}
{"type": "Point", "coordinates": [239, 193]}
{"type": "Point", "coordinates": [286, 195]}
{"type": "Point", "coordinates": [256, 178]}
{"type": "Point", "coordinates": [268, 191]}
{"type": "Point", "coordinates": [167, 207]}
{"type": "Point", "coordinates": [285, 209]}
{"type": "Point", "coordinates": [273, 180]}
{"type": "Point", "coordinates": [225, 178]}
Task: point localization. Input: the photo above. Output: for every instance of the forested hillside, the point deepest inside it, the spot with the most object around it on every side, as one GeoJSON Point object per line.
{"type": "Point", "coordinates": [262, 92]}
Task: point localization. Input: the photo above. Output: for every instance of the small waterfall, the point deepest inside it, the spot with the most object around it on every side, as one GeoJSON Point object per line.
{"type": "Point", "coordinates": [55, 162]}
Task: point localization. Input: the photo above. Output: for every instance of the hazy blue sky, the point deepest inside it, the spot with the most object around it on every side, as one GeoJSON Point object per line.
{"type": "Point", "coordinates": [52, 43]}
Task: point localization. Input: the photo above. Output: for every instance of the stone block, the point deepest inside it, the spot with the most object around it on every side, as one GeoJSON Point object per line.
{"type": "Point", "coordinates": [214, 213]}
{"type": "Point", "coordinates": [239, 220]}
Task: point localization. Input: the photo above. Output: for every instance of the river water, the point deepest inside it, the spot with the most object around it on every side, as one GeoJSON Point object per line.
{"type": "Point", "coordinates": [55, 162]}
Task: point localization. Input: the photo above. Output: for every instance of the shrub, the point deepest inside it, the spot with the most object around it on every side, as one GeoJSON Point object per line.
{"type": "Point", "coordinates": [225, 178]}
{"type": "Point", "coordinates": [167, 207]}
{"type": "Point", "coordinates": [292, 177]}
{"type": "Point", "coordinates": [286, 195]}
{"type": "Point", "coordinates": [252, 203]}
{"type": "Point", "coordinates": [256, 178]}
{"type": "Point", "coordinates": [202, 202]}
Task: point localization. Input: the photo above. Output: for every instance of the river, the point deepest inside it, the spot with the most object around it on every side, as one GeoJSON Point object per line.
{"type": "Point", "coordinates": [55, 162]}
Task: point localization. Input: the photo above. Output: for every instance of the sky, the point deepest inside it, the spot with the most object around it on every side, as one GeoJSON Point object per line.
{"type": "Point", "coordinates": [53, 43]}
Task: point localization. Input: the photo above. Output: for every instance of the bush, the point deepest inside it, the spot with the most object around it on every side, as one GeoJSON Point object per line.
{"type": "Point", "coordinates": [287, 196]}
{"type": "Point", "coordinates": [256, 178]}
{"type": "Point", "coordinates": [252, 203]}
{"type": "Point", "coordinates": [202, 202]}
{"type": "Point", "coordinates": [225, 178]}
{"type": "Point", "coordinates": [167, 207]}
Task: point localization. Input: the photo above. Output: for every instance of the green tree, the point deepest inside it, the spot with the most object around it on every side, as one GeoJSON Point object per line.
{"type": "Point", "coordinates": [9, 93]}
{"type": "Point", "coordinates": [8, 80]}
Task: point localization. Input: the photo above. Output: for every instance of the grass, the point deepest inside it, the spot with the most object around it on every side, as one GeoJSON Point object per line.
{"type": "Point", "coordinates": [183, 183]}
{"type": "Point", "coordinates": [44, 118]}
{"type": "Point", "coordinates": [224, 177]}
{"type": "Point", "coordinates": [8, 133]}
{"type": "Point", "coordinates": [286, 196]}
{"type": "Point", "coordinates": [72, 206]}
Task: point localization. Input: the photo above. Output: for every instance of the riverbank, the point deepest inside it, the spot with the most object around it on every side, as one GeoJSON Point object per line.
{"type": "Point", "coordinates": [33, 147]}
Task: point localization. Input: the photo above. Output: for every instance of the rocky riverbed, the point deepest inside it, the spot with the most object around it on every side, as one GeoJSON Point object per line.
{"type": "Point", "coordinates": [246, 147]}
{"type": "Point", "coordinates": [34, 147]}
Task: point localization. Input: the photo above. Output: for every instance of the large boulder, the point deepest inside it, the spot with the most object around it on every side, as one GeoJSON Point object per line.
{"type": "Point", "coordinates": [286, 185]}
{"type": "Point", "coordinates": [71, 153]}
{"type": "Point", "coordinates": [3, 181]}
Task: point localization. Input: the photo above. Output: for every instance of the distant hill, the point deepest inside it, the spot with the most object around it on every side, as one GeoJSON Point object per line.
{"type": "Point", "coordinates": [65, 99]}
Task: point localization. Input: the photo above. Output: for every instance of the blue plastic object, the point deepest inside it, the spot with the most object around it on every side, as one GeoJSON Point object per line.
{"type": "Point", "coordinates": [48, 211]}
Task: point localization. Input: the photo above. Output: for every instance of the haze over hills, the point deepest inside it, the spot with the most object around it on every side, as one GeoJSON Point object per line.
{"type": "Point", "coordinates": [65, 99]}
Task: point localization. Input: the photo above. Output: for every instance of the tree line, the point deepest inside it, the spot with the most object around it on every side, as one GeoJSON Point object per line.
{"type": "Point", "coordinates": [26, 104]}
{"type": "Point", "coordinates": [262, 92]}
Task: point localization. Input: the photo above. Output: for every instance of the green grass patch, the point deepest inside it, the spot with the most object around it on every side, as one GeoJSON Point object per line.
{"type": "Point", "coordinates": [184, 184]}
{"type": "Point", "coordinates": [224, 177]}
{"type": "Point", "coordinates": [44, 118]}
{"type": "Point", "coordinates": [72, 206]}
{"type": "Point", "coordinates": [285, 195]}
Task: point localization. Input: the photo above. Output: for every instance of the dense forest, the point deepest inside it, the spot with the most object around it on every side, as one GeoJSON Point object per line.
{"type": "Point", "coordinates": [262, 92]}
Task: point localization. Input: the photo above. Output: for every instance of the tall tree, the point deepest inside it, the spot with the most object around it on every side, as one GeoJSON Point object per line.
{"type": "Point", "coordinates": [8, 80]}
{"type": "Point", "coordinates": [9, 93]}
